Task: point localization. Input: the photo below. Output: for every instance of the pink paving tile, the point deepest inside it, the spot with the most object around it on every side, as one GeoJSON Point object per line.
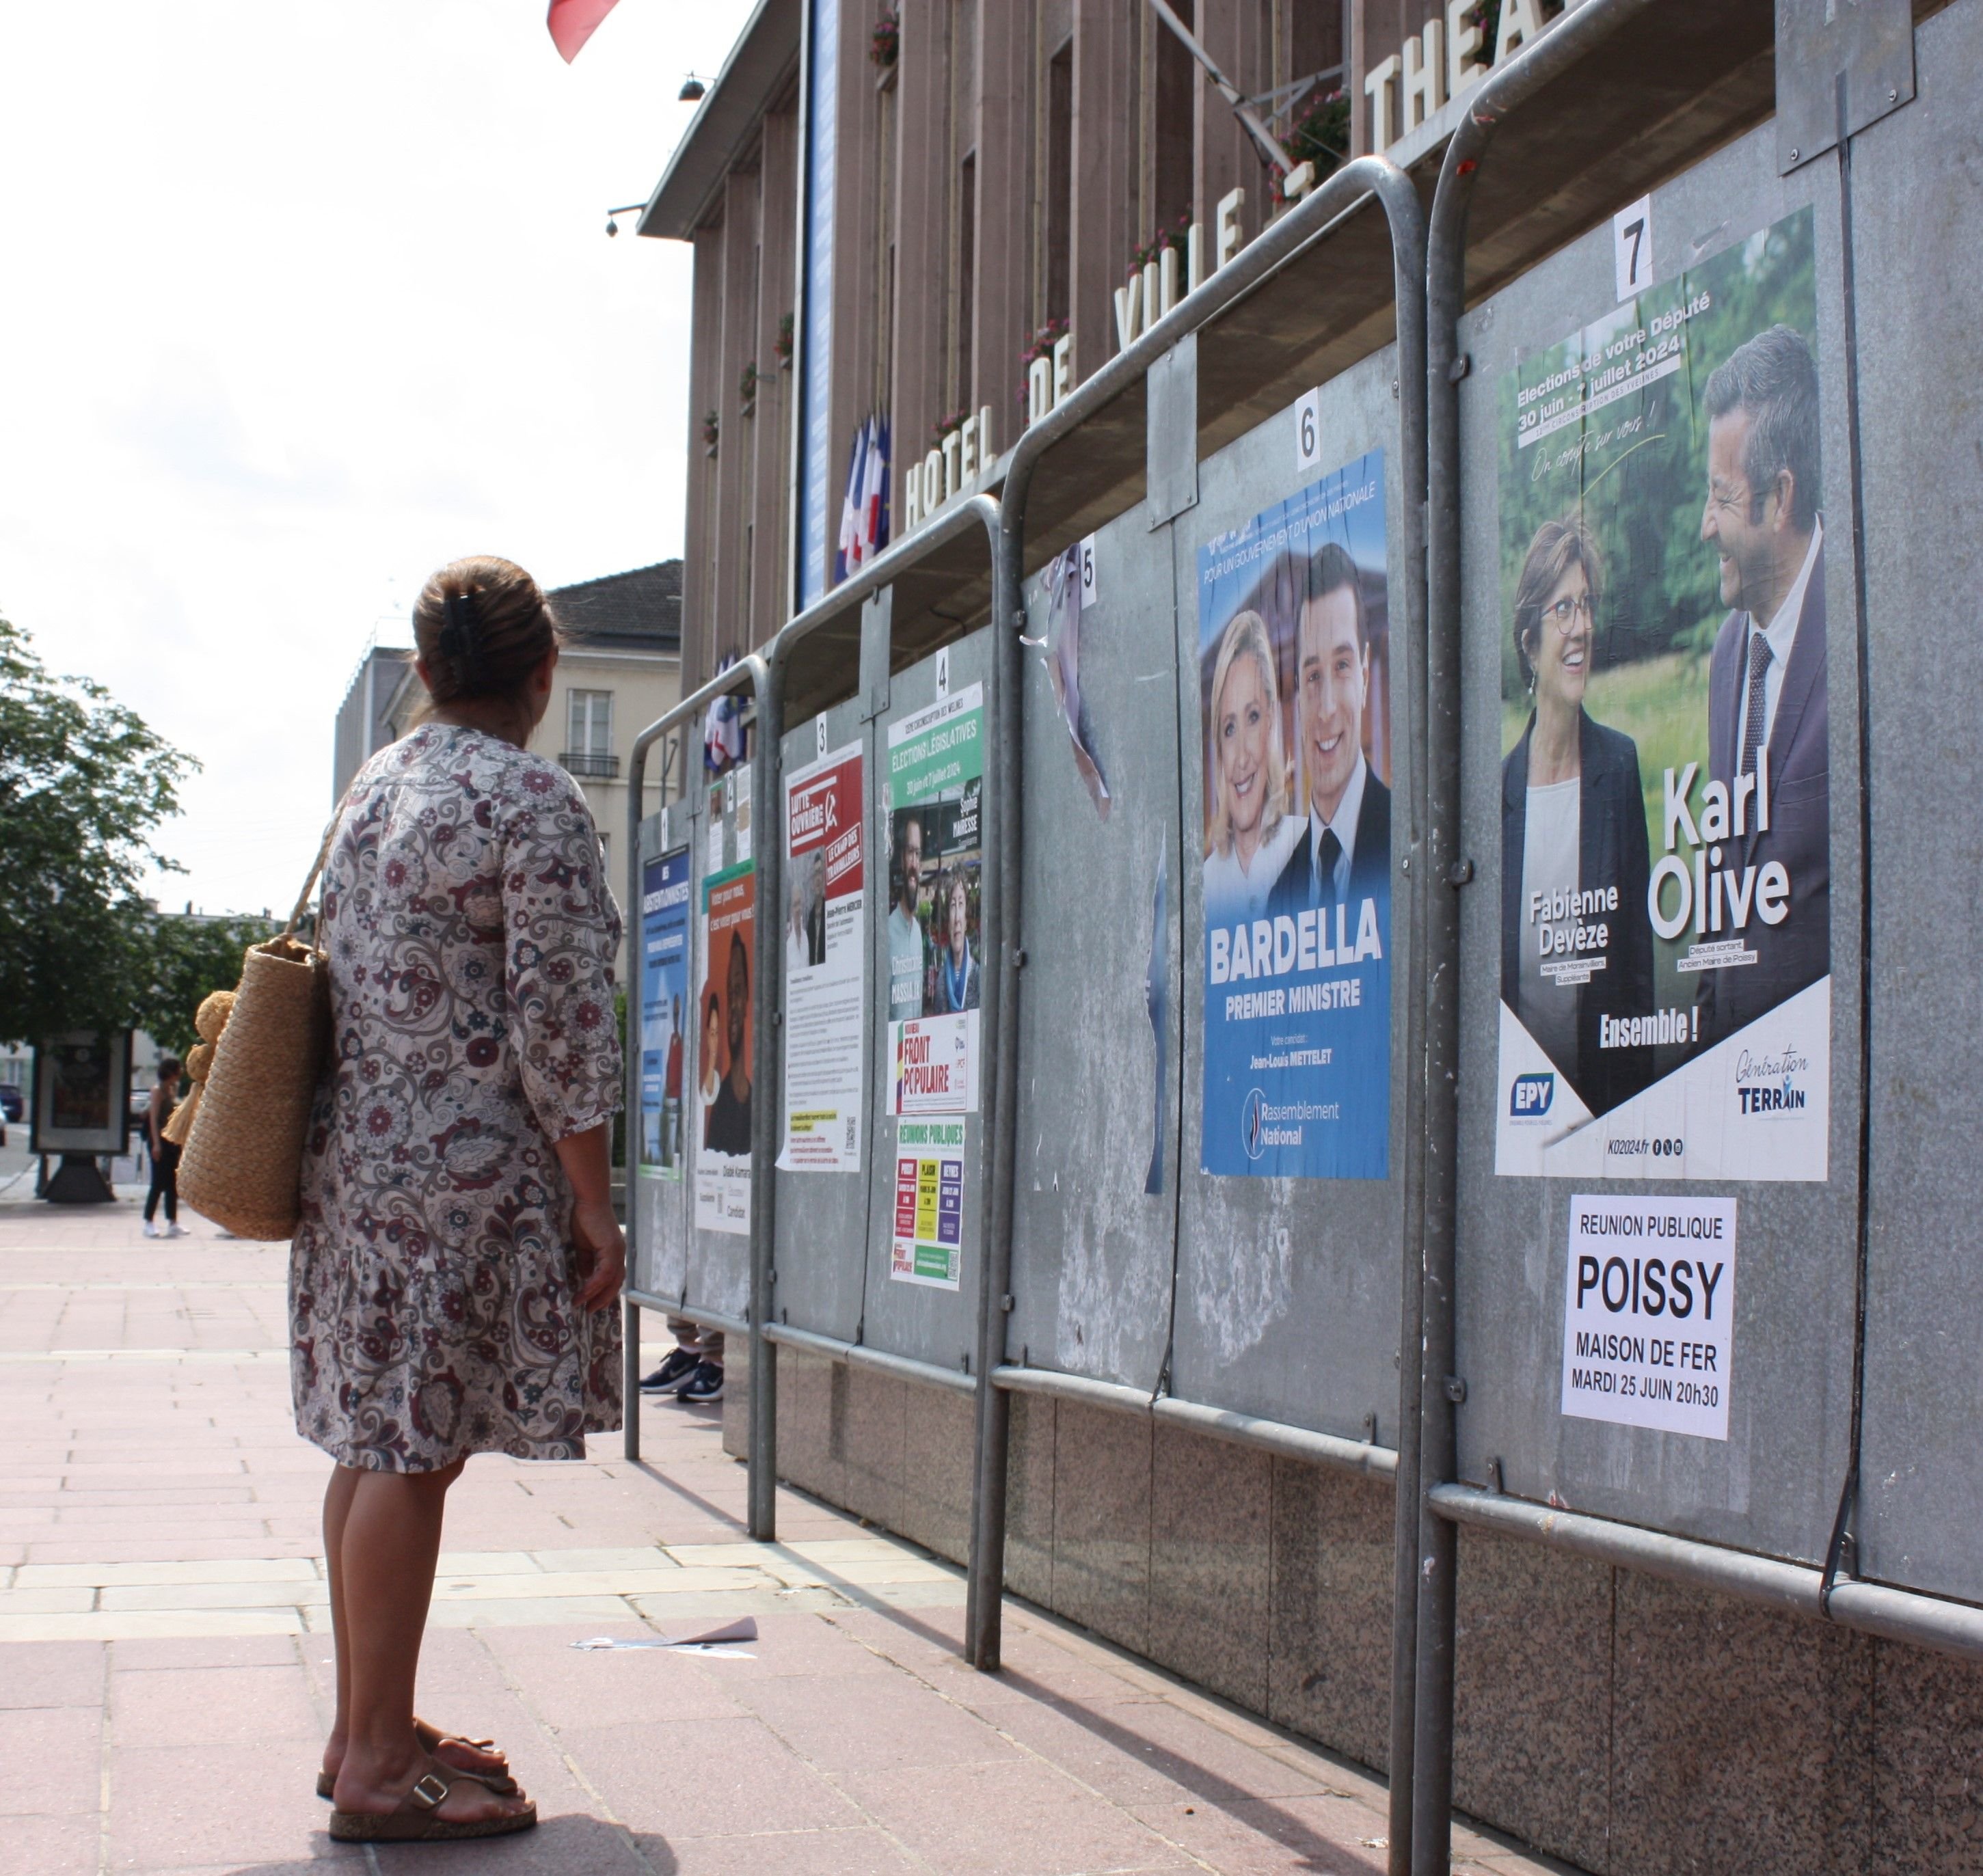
{"type": "Point", "coordinates": [50, 1846]}
{"type": "Point", "coordinates": [1263, 1837]}
{"type": "Point", "coordinates": [198, 1651]}
{"type": "Point", "coordinates": [843, 1724]}
{"type": "Point", "coordinates": [173, 1806]}
{"type": "Point", "coordinates": [1017, 1819]}
{"type": "Point", "coordinates": [51, 1674]}
{"type": "Point", "coordinates": [49, 1760]}
{"type": "Point", "coordinates": [233, 1706]}
{"type": "Point", "coordinates": [705, 1779]}
{"type": "Point", "coordinates": [581, 1687]}
{"type": "Point", "coordinates": [863, 1852]}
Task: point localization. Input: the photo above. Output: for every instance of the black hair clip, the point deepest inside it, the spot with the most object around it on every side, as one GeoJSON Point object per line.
{"type": "Point", "coordinates": [459, 635]}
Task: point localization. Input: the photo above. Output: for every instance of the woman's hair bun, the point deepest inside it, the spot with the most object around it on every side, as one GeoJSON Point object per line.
{"type": "Point", "coordinates": [481, 625]}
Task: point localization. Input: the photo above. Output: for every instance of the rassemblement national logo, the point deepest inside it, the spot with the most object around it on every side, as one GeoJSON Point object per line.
{"type": "Point", "coordinates": [1253, 1124]}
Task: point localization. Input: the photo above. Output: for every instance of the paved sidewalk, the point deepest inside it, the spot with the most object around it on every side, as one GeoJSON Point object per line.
{"type": "Point", "coordinates": [164, 1662]}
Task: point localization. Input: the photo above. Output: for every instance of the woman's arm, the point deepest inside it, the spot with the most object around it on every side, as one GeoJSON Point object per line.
{"type": "Point", "coordinates": [587, 1160]}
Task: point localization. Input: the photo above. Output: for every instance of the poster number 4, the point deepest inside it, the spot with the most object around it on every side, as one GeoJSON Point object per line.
{"type": "Point", "coordinates": [1308, 431]}
{"type": "Point", "coordinates": [1632, 247]}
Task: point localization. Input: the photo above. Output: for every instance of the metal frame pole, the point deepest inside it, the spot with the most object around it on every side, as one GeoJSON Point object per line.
{"type": "Point", "coordinates": [1569, 39]}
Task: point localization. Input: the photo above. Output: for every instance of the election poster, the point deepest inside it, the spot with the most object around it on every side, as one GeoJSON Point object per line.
{"type": "Point", "coordinates": [1665, 802]}
{"type": "Point", "coordinates": [1293, 667]}
{"type": "Point", "coordinates": [929, 1203]}
{"type": "Point", "coordinates": [932, 800]}
{"type": "Point", "coordinates": [664, 907]}
{"type": "Point", "coordinates": [826, 937]}
{"type": "Point", "coordinates": [723, 1060]}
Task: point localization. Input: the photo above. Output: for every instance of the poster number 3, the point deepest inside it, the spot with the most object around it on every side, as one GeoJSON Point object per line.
{"type": "Point", "coordinates": [1632, 248]}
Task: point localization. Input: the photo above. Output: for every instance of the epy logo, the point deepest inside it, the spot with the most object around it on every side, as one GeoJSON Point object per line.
{"type": "Point", "coordinates": [1531, 1096]}
{"type": "Point", "coordinates": [1252, 1124]}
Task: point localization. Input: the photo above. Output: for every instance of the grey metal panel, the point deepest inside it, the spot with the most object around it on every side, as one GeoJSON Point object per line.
{"type": "Point", "coordinates": [1773, 1486]}
{"type": "Point", "coordinates": [1868, 47]}
{"type": "Point", "coordinates": [938, 1326]}
{"type": "Point", "coordinates": [1170, 444]}
{"type": "Point", "coordinates": [820, 1227]}
{"type": "Point", "coordinates": [1288, 1290]}
{"type": "Point", "coordinates": [1914, 196]}
{"type": "Point", "coordinates": [661, 1241]}
{"type": "Point", "coordinates": [717, 1275]}
{"type": "Point", "coordinates": [1091, 1252]}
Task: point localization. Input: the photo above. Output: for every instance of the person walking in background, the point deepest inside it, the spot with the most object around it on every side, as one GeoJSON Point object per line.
{"type": "Point", "coordinates": [692, 1370]}
{"type": "Point", "coordinates": [453, 1278]}
{"type": "Point", "coordinates": [164, 1155]}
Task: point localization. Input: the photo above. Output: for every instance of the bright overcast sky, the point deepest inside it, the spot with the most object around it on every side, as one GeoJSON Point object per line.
{"type": "Point", "coordinates": [304, 298]}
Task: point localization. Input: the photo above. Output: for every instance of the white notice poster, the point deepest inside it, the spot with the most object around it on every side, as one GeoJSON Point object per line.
{"type": "Point", "coordinates": [826, 945]}
{"type": "Point", "coordinates": [1648, 1312]}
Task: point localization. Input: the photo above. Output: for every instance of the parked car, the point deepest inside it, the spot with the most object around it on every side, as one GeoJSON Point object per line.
{"type": "Point", "coordinates": [13, 1104]}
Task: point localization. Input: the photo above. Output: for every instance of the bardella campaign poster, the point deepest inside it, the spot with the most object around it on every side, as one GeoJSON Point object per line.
{"type": "Point", "coordinates": [1666, 886]}
{"type": "Point", "coordinates": [826, 942]}
{"type": "Point", "coordinates": [665, 898]}
{"type": "Point", "coordinates": [1296, 856]}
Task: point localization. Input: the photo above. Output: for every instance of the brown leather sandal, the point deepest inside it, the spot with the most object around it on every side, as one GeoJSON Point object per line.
{"type": "Point", "coordinates": [432, 1739]}
{"type": "Point", "coordinates": [415, 1821]}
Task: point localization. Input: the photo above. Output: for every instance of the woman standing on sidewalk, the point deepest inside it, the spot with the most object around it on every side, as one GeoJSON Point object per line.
{"type": "Point", "coordinates": [164, 1155]}
{"type": "Point", "coordinates": [453, 1278]}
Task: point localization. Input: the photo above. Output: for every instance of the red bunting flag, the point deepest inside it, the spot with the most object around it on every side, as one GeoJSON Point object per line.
{"type": "Point", "coordinates": [573, 21]}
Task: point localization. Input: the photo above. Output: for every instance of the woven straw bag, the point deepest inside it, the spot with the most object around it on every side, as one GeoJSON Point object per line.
{"type": "Point", "coordinates": [242, 1166]}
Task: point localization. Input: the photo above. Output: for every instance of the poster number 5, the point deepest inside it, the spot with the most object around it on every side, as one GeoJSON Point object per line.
{"type": "Point", "coordinates": [1632, 248]}
{"type": "Point", "coordinates": [1087, 573]}
{"type": "Point", "coordinates": [1308, 431]}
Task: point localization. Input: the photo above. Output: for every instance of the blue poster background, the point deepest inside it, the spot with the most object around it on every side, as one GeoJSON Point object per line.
{"type": "Point", "coordinates": [1293, 631]}
{"type": "Point", "coordinates": [664, 904]}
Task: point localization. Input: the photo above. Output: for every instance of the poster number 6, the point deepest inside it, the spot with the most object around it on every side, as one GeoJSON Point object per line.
{"type": "Point", "coordinates": [1308, 431]}
{"type": "Point", "coordinates": [1632, 247]}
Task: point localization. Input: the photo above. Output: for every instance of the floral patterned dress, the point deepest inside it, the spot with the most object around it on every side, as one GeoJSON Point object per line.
{"type": "Point", "coordinates": [432, 1288]}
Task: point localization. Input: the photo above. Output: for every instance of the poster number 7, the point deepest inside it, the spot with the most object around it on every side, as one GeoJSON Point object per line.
{"type": "Point", "coordinates": [1632, 248]}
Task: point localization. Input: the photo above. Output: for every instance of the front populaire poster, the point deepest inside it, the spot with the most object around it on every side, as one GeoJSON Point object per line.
{"type": "Point", "coordinates": [664, 1007]}
{"type": "Point", "coordinates": [1665, 827]}
{"type": "Point", "coordinates": [722, 1053]}
{"type": "Point", "coordinates": [1293, 668]}
{"type": "Point", "coordinates": [932, 801]}
{"type": "Point", "coordinates": [826, 942]}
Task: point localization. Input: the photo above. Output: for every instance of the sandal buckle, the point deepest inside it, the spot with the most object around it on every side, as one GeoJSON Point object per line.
{"type": "Point", "coordinates": [430, 1791]}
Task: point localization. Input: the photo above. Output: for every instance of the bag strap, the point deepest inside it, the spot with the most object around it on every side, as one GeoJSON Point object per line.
{"type": "Point", "coordinates": [322, 854]}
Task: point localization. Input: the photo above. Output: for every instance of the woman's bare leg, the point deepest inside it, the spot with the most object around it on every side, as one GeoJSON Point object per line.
{"type": "Point", "coordinates": [390, 1543]}
{"type": "Point", "coordinates": [336, 1509]}
{"type": "Point", "coordinates": [455, 1753]}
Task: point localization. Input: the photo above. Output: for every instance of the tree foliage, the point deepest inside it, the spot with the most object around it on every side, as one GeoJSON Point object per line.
{"type": "Point", "coordinates": [184, 960]}
{"type": "Point", "coordinates": [84, 783]}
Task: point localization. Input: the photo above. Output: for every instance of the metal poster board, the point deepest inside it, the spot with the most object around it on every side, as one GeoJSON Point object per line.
{"type": "Point", "coordinates": [82, 1094]}
{"type": "Point", "coordinates": [1666, 835]}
